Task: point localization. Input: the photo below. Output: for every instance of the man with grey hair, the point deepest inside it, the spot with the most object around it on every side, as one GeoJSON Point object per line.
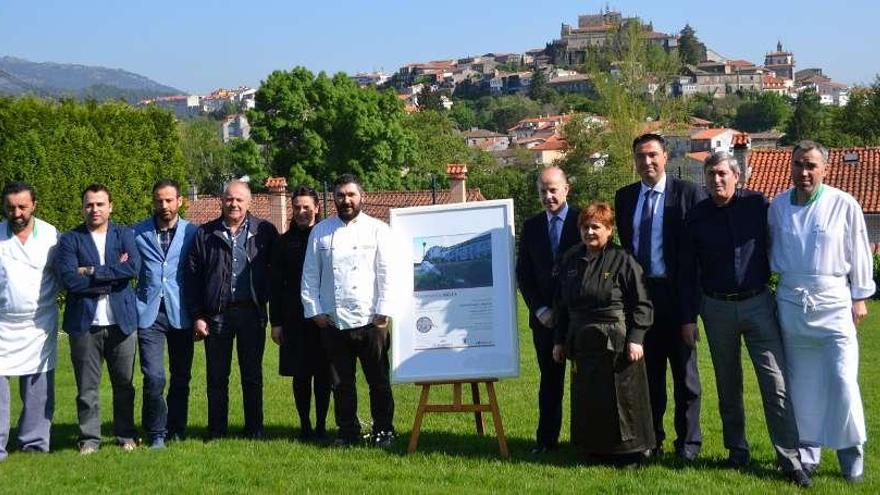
{"type": "Point", "coordinates": [724, 252]}
{"type": "Point", "coordinates": [819, 247]}
{"type": "Point", "coordinates": [227, 291]}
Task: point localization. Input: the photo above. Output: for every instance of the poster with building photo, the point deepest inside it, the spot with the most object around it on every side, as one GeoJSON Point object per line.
{"type": "Point", "coordinates": [458, 319]}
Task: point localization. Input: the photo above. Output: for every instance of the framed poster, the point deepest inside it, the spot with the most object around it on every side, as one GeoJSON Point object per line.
{"type": "Point", "coordinates": [457, 317]}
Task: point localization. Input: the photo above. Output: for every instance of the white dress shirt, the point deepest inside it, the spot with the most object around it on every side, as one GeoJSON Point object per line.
{"type": "Point", "coordinates": [347, 271]}
{"type": "Point", "coordinates": [658, 266]}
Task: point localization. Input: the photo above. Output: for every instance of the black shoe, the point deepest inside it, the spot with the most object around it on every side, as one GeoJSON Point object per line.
{"type": "Point", "coordinates": [383, 439]}
{"type": "Point", "coordinates": [345, 442]}
{"type": "Point", "coordinates": [175, 437]}
{"type": "Point", "coordinates": [655, 453]}
{"type": "Point", "coordinates": [738, 459]}
{"type": "Point", "coordinates": [799, 478]}
{"type": "Point", "coordinates": [541, 449]}
{"type": "Point", "coordinates": [306, 435]}
{"type": "Point", "coordinates": [255, 434]}
{"type": "Point", "coordinates": [687, 456]}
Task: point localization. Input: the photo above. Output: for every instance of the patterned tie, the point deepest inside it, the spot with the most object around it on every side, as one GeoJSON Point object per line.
{"type": "Point", "coordinates": [647, 218]}
{"type": "Point", "coordinates": [555, 231]}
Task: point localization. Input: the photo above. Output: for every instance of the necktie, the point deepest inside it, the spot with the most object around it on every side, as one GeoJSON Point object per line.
{"type": "Point", "coordinates": [647, 218]}
{"type": "Point", "coordinates": [555, 230]}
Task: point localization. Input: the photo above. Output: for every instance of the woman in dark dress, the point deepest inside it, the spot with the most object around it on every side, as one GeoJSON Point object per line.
{"type": "Point", "coordinates": [602, 312]}
{"type": "Point", "coordinates": [301, 354]}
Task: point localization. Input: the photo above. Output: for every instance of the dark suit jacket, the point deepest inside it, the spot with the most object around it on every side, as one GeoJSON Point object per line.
{"type": "Point", "coordinates": [679, 198]}
{"type": "Point", "coordinates": [534, 262]}
{"type": "Point", "coordinates": [75, 249]}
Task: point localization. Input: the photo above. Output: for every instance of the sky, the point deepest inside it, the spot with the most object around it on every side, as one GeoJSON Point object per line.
{"type": "Point", "coordinates": [199, 45]}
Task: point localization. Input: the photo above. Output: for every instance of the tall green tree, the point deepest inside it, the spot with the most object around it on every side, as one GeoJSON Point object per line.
{"type": "Point", "coordinates": [206, 157]}
{"type": "Point", "coordinates": [246, 159]}
{"type": "Point", "coordinates": [762, 112]}
{"type": "Point", "coordinates": [539, 91]}
{"type": "Point", "coordinates": [317, 127]}
{"type": "Point", "coordinates": [429, 99]}
{"type": "Point", "coordinates": [808, 118]}
{"type": "Point", "coordinates": [435, 143]}
{"type": "Point", "coordinates": [599, 159]}
{"type": "Point", "coordinates": [61, 147]}
{"type": "Point", "coordinates": [690, 49]}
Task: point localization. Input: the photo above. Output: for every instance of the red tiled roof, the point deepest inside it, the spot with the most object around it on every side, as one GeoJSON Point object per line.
{"type": "Point", "coordinates": [553, 143]}
{"type": "Point", "coordinates": [698, 122]}
{"type": "Point", "coordinates": [740, 63]}
{"type": "Point", "coordinates": [741, 139]}
{"type": "Point", "coordinates": [376, 204]}
{"type": "Point", "coordinates": [709, 133]}
{"type": "Point", "coordinates": [771, 169]}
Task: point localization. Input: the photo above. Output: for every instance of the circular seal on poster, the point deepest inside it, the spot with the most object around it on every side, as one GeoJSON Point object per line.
{"type": "Point", "coordinates": [424, 324]}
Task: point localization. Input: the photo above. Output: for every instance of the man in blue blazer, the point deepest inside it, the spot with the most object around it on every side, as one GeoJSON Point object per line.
{"type": "Point", "coordinates": [163, 241]}
{"type": "Point", "coordinates": [650, 222]}
{"type": "Point", "coordinates": [96, 262]}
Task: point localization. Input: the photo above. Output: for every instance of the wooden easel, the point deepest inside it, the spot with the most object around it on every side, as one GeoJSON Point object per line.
{"type": "Point", "coordinates": [457, 406]}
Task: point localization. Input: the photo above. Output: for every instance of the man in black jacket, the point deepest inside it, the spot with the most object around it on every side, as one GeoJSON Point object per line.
{"type": "Point", "coordinates": [545, 237]}
{"type": "Point", "coordinates": [227, 290]}
{"type": "Point", "coordinates": [652, 234]}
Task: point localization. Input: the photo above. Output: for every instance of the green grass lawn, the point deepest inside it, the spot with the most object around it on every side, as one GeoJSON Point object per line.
{"type": "Point", "coordinates": [451, 457]}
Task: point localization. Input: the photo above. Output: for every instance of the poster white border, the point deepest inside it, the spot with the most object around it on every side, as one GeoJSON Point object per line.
{"type": "Point", "coordinates": [501, 358]}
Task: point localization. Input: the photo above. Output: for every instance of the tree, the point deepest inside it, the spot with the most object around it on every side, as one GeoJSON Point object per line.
{"type": "Point", "coordinates": [860, 117]}
{"type": "Point", "coordinates": [61, 147]}
{"type": "Point", "coordinates": [429, 99]}
{"type": "Point", "coordinates": [539, 91]}
{"type": "Point", "coordinates": [690, 49]}
{"type": "Point", "coordinates": [318, 127]}
{"type": "Point", "coordinates": [204, 154]}
{"type": "Point", "coordinates": [462, 113]}
{"type": "Point", "coordinates": [435, 143]}
{"type": "Point", "coordinates": [246, 159]}
{"type": "Point", "coordinates": [808, 119]}
{"type": "Point", "coordinates": [599, 159]}
{"type": "Point", "coordinates": [502, 113]}
{"type": "Point", "coordinates": [762, 112]}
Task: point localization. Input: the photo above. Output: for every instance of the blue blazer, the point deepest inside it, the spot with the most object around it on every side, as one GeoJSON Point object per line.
{"type": "Point", "coordinates": [75, 249]}
{"type": "Point", "coordinates": [161, 271]}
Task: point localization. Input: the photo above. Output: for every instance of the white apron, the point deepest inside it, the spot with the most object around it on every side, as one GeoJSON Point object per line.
{"type": "Point", "coordinates": [28, 311]}
{"type": "Point", "coordinates": [822, 359]}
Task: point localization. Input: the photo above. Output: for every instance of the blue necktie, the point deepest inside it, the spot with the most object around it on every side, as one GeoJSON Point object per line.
{"type": "Point", "coordinates": [645, 221]}
{"type": "Point", "coordinates": [555, 230]}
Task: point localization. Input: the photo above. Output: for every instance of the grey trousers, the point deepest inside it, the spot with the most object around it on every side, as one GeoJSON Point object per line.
{"type": "Point", "coordinates": [88, 351]}
{"type": "Point", "coordinates": [37, 393]}
{"type": "Point", "coordinates": [755, 320]}
{"type": "Point", "coordinates": [851, 459]}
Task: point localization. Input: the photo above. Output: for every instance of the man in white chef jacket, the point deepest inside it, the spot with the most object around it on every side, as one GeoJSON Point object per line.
{"type": "Point", "coordinates": [819, 247]}
{"type": "Point", "coordinates": [28, 318]}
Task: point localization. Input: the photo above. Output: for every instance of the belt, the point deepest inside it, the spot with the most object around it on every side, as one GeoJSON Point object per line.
{"type": "Point", "coordinates": [243, 304]}
{"type": "Point", "coordinates": [734, 296]}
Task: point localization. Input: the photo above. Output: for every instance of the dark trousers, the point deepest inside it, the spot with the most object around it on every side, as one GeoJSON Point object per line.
{"type": "Point", "coordinates": [550, 390]}
{"type": "Point", "coordinates": [663, 343]}
{"type": "Point", "coordinates": [248, 325]}
{"type": "Point", "coordinates": [369, 345]}
{"type": "Point", "coordinates": [88, 350]}
{"type": "Point", "coordinates": [161, 418]}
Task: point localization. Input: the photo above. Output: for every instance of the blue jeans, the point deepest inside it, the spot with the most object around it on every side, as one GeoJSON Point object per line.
{"type": "Point", "coordinates": [161, 418]}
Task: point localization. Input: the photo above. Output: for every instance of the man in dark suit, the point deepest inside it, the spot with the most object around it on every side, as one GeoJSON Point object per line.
{"type": "Point", "coordinates": [545, 237]}
{"type": "Point", "coordinates": [96, 262]}
{"type": "Point", "coordinates": [652, 234]}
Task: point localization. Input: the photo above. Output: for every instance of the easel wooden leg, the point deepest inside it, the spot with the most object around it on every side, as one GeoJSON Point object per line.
{"type": "Point", "coordinates": [496, 418]}
{"type": "Point", "coordinates": [478, 416]}
{"type": "Point", "coordinates": [417, 425]}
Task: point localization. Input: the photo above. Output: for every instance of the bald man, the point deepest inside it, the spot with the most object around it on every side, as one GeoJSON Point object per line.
{"type": "Point", "coordinates": [227, 292]}
{"type": "Point", "coordinates": [545, 237]}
